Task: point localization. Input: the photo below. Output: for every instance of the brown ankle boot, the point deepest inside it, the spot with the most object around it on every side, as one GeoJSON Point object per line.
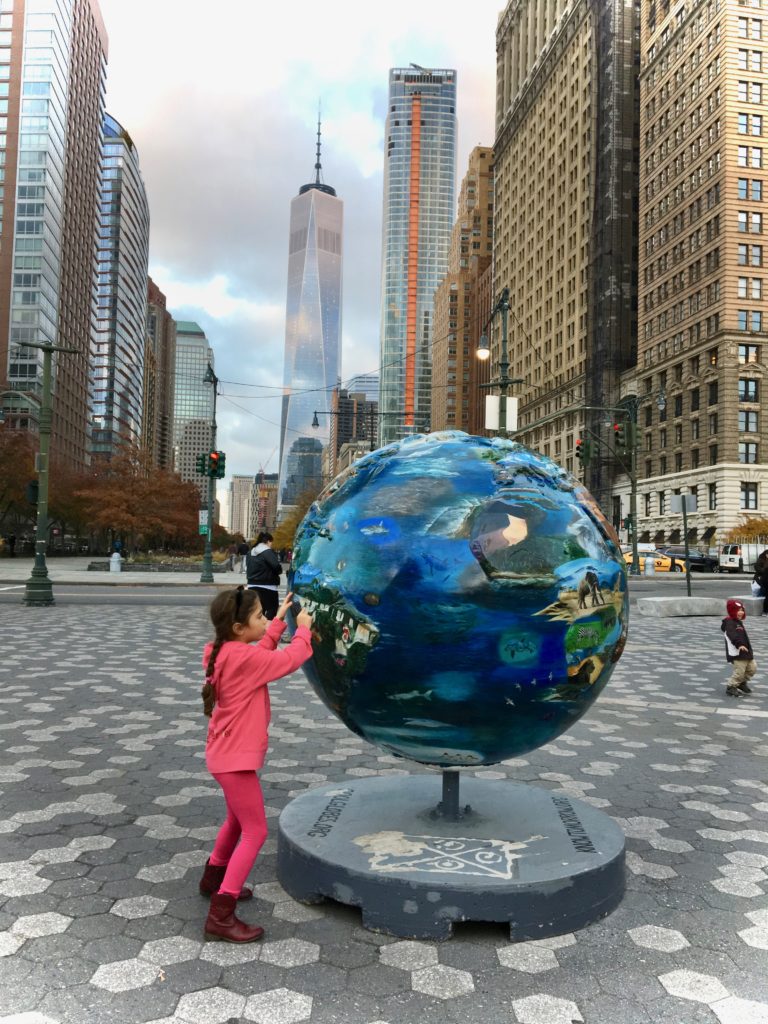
{"type": "Point", "coordinates": [213, 876]}
{"type": "Point", "coordinates": [222, 926]}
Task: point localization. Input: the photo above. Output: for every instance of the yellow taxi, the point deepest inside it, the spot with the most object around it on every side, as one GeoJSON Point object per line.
{"type": "Point", "coordinates": [661, 562]}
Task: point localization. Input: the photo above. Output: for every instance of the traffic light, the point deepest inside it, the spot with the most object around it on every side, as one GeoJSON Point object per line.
{"type": "Point", "coordinates": [33, 491]}
{"type": "Point", "coordinates": [201, 465]}
{"type": "Point", "coordinates": [216, 465]}
{"type": "Point", "coordinates": [620, 435]}
{"type": "Point", "coordinates": [583, 450]}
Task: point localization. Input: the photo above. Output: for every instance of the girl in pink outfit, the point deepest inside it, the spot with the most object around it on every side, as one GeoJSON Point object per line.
{"type": "Point", "coordinates": [239, 664]}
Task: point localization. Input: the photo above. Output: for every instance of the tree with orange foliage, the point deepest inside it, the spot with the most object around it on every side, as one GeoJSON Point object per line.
{"type": "Point", "coordinates": [17, 470]}
{"type": "Point", "coordinates": [133, 500]}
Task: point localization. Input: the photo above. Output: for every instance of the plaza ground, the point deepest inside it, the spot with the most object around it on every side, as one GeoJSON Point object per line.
{"type": "Point", "coordinates": [107, 815]}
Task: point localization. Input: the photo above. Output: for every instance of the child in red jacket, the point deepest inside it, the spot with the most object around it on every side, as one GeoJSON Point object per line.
{"type": "Point", "coordinates": [738, 650]}
{"type": "Point", "coordinates": [236, 698]}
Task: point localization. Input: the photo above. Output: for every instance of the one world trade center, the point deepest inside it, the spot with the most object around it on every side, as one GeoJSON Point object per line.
{"type": "Point", "coordinates": [312, 366]}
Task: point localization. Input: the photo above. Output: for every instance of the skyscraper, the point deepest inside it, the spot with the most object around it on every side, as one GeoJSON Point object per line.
{"type": "Point", "coordinates": [419, 183]}
{"type": "Point", "coordinates": [193, 403]}
{"type": "Point", "coordinates": [157, 432]}
{"type": "Point", "coordinates": [52, 77]}
{"type": "Point", "coordinates": [312, 363]}
{"type": "Point", "coordinates": [456, 393]}
{"type": "Point", "coordinates": [117, 361]}
{"type": "Point", "coordinates": [565, 242]}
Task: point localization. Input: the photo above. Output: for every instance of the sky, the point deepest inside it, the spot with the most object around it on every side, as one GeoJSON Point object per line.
{"type": "Point", "coordinates": [221, 102]}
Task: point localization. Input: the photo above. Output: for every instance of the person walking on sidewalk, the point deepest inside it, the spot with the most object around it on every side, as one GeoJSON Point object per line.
{"type": "Point", "coordinates": [263, 573]}
{"type": "Point", "coordinates": [236, 699]}
{"type": "Point", "coordinates": [738, 650]}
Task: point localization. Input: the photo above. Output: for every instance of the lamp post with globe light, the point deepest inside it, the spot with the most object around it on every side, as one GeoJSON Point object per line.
{"type": "Point", "coordinates": [502, 380]}
{"type": "Point", "coordinates": [38, 590]}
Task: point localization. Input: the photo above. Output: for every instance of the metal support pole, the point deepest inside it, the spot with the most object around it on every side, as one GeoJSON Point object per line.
{"type": "Point", "coordinates": [38, 590]}
{"type": "Point", "coordinates": [503, 362]}
{"type": "Point", "coordinates": [448, 807]}
{"type": "Point", "coordinates": [687, 550]}
{"type": "Point", "coordinates": [633, 434]}
{"type": "Point", "coordinates": [206, 576]}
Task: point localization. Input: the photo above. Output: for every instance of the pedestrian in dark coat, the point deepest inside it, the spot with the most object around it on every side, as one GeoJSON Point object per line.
{"type": "Point", "coordinates": [263, 573]}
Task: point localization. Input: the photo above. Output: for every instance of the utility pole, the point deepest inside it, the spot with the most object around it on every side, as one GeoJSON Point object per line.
{"type": "Point", "coordinates": [38, 591]}
{"type": "Point", "coordinates": [206, 576]}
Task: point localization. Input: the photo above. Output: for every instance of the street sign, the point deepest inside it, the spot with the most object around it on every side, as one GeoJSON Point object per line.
{"type": "Point", "coordinates": [492, 412]}
{"type": "Point", "coordinates": [678, 500]}
{"type": "Point", "coordinates": [203, 529]}
{"type": "Point", "coordinates": [203, 517]}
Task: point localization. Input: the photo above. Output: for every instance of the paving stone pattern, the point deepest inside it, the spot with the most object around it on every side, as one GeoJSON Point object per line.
{"type": "Point", "coordinates": [108, 813]}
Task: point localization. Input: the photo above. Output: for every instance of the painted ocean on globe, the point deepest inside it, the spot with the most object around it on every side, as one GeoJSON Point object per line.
{"type": "Point", "coordinates": [470, 598]}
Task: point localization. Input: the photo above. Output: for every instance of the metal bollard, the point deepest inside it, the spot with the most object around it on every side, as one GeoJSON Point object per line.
{"type": "Point", "coordinates": [115, 562]}
{"type": "Point", "coordinates": [650, 568]}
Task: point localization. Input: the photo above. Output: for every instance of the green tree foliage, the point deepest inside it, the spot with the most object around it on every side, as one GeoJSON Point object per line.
{"type": "Point", "coordinates": [285, 532]}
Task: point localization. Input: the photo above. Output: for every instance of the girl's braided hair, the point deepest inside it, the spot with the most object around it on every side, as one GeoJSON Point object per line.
{"type": "Point", "coordinates": [227, 608]}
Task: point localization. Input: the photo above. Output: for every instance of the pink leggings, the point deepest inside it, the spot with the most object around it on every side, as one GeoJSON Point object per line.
{"type": "Point", "coordinates": [245, 821]}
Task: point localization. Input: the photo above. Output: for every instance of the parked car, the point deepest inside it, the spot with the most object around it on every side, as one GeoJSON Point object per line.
{"type": "Point", "coordinates": [661, 562]}
{"type": "Point", "coordinates": [700, 562]}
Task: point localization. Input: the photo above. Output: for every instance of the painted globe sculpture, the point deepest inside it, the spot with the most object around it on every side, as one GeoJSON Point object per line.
{"type": "Point", "coordinates": [469, 598]}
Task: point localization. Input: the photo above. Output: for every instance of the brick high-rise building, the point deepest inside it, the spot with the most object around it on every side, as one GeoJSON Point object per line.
{"type": "Point", "coordinates": [703, 291]}
{"type": "Point", "coordinates": [565, 219]}
{"type": "Point", "coordinates": [52, 78]}
{"type": "Point", "coordinates": [456, 394]}
{"type": "Point", "coordinates": [157, 430]}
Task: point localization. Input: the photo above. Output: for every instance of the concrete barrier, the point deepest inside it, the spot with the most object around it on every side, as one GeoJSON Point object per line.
{"type": "Point", "coordinates": [667, 607]}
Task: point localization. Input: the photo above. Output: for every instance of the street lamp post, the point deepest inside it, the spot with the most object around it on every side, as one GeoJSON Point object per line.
{"type": "Point", "coordinates": [38, 591]}
{"type": "Point", "coordinates": [502, 381]}
{"type": "Point", "coordinates": [206, 576]}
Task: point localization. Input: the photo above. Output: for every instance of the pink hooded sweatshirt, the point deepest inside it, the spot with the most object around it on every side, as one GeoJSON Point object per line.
{"type": "Point", "coordinates": [237, 734]}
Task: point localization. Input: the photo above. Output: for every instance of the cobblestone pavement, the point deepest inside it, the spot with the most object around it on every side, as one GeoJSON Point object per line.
{"type": "Point", "coordinates": [108, 813]}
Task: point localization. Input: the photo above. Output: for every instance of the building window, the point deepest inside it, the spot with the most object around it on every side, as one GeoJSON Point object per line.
{"type": "Point", "coordinates": [649, 415]}
{"type": "Point", "coordinates": [678, 461]}
{"type": "Point", "coordinates": [748, 390]}
{"type": "Point", "coordinates": [694, 458]}
{"type": "Point", "coordinates": [712, 497]}
{"type": "Point", "coordinates": [678, 433]}
{"type": "Point", "coordinates": [648, 468]}
{"type": "Point", "coordinates": [713, 423]}
{"type": "Point", "coordinates": [747, 451]}
{"type": "Point", "coordinates": [647, 498]}
{"type": "Point", "coordinates": [662, 506]}
{"type": "Point", "coordinates": [713, 455]}
{"type": "Point", "coordinates": [748, 496]}
{"type": "Point", "coordinates": [712, 393]}
{"type": "Point", "coordinates": [749, 354]}
{"type": "Point", "coordinates": [694, 430]}
{"type": "Point", "coordinates": [663, 465]}
{"type": "Point", "coordinates": [748, 422]}
{"type": "Point", "coordinates": [694, 399]}
{"type": "Point", "coordinates": [662, 439]}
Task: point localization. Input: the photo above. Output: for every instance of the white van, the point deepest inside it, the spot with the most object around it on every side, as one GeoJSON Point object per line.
{"type": "Point", "coordinates": [739, 557]}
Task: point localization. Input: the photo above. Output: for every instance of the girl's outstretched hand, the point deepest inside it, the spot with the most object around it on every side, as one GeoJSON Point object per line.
{"type": "Point", "coordinates": [285, 607]}
{"type": "Point", "coordinates": [304, 618]}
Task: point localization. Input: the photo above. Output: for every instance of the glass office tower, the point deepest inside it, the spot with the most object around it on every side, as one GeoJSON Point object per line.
{"type": "Point", "coordinates": [193, 403]}
{"type": "Point", "coordinates": [419, 185]}
{"type": "Point", "coordinates": [117, 361]}
{"type": "Point", "coordinates": [53, 57]}
{"type": "Point", "coordinates": [312, 335]}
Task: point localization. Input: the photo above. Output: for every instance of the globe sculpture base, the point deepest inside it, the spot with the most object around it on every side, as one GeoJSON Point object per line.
{"type": "Point", "coordinates": [543, 862]}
